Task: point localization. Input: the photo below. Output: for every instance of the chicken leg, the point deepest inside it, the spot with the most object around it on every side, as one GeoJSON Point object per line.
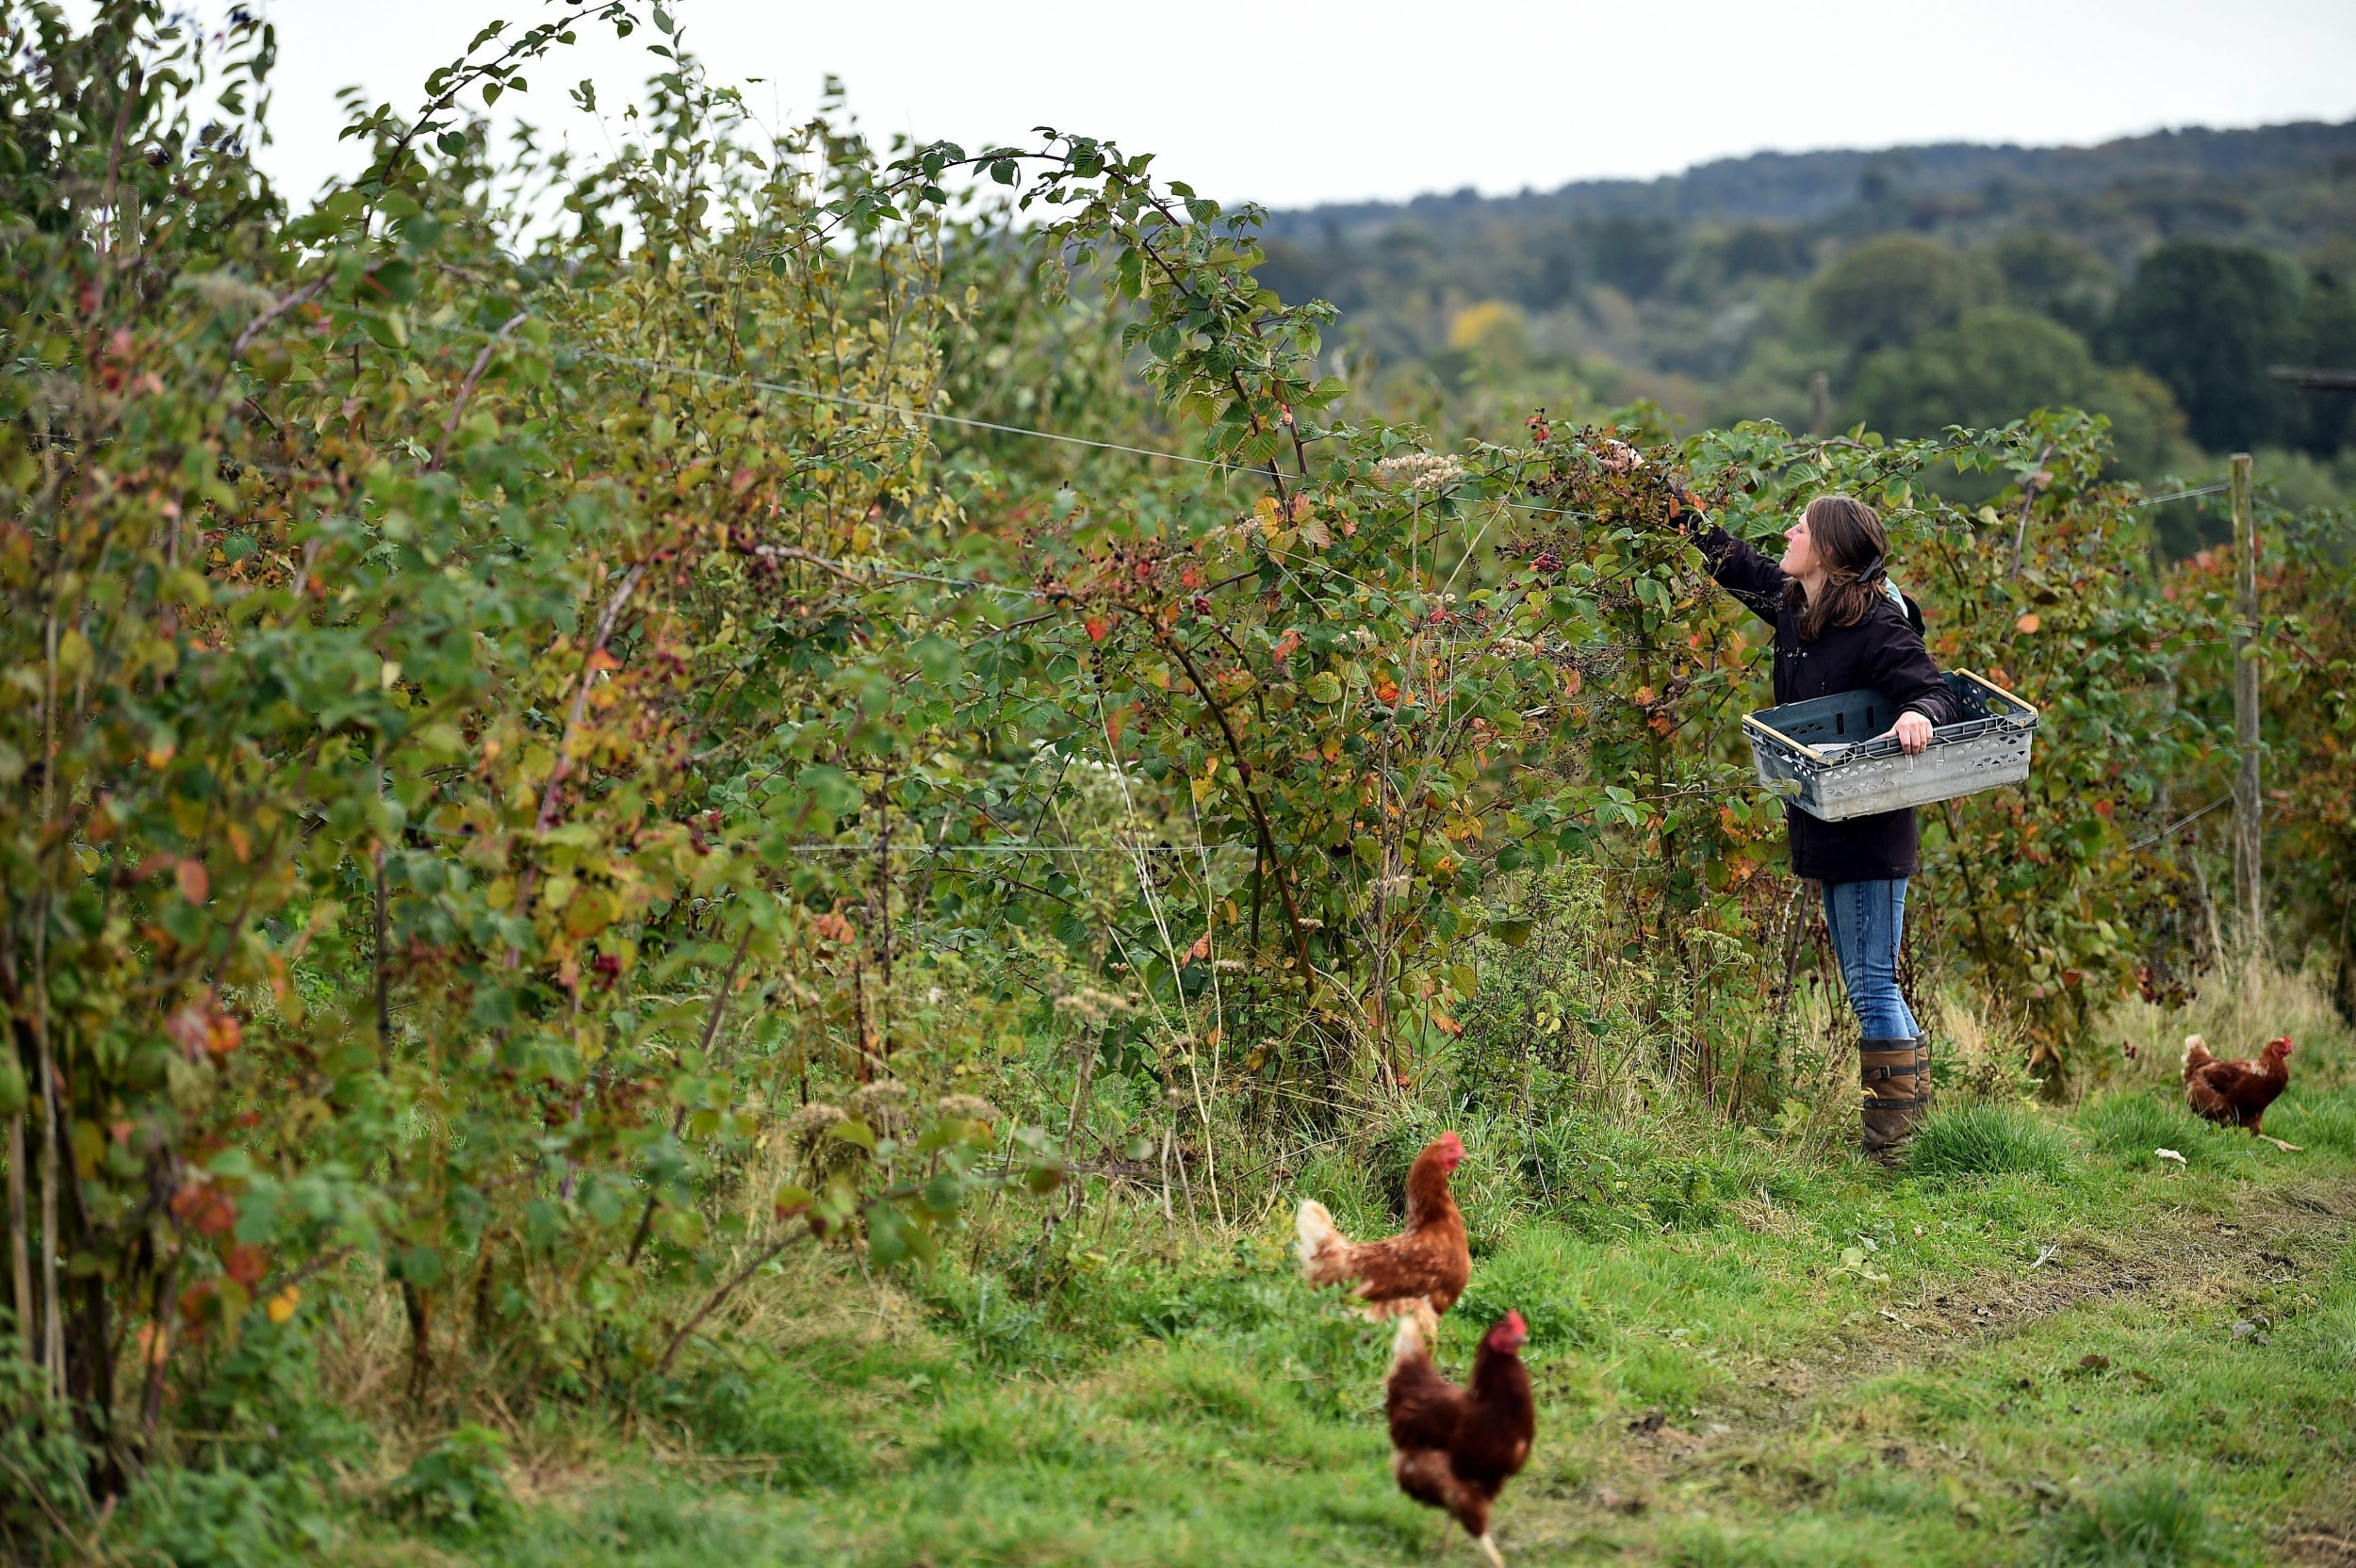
{"type": "Point", "coordinates": [2286, 1148]}
{"type": "Point", "coordinates": [1489, 1545]}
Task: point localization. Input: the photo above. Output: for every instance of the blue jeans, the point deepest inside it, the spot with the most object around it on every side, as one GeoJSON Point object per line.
{"type": "Point", "coordinates": [1867, 919]}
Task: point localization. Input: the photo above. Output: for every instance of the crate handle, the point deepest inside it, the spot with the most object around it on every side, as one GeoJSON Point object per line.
{"type": "Point", "coordinates": [1992, 686]}
{"type": "Point", "coordinates": [1750, 721]}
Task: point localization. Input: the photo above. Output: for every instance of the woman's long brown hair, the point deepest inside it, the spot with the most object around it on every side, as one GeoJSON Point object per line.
{"type": "Point", "coordinates": [1849, 540]}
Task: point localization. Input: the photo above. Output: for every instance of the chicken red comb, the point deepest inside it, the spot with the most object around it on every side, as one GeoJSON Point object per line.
{"type": "Point", "coordinates": [1510, 1332]}
{"type": "Point", "coordinates": [1450, 1145]}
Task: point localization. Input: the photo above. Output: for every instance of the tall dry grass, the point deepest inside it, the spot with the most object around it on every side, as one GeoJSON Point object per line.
{"type": "Point", "coordinates": [2236, 1009]}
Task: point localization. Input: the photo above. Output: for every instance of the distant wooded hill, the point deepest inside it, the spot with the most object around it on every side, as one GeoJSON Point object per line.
{"type": "Point", "coordinates": [2152, 279]}
{"type": "Point", "coordinates": [1915, 183]}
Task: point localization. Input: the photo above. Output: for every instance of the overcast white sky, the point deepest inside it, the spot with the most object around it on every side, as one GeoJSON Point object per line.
{"type": "Point", "coordinates": [1315, 101]}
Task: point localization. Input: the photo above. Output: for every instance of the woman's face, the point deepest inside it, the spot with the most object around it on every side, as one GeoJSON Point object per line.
{"type": "Point", "coordinates": [1799, 552]}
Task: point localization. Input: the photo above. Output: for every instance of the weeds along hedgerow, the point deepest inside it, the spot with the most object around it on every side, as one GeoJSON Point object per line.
{"type": "Point", "coordinates": [1990, 1138]}
{"type": "Point", "coordinates": [2148, 1521]}
{"type": "Point", "coordinates": [458, 1488]}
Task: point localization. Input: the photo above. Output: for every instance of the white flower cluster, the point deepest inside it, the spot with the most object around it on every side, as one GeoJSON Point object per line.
{"type": "Point", "coordinates": [223, 290]}
{"type": "Point", "coordinates": [1417, 471]}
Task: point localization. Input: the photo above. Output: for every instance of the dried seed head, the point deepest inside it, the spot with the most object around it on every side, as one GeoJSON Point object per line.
{"type": "Point", "coordinates": [968, 1107]}
{"type": "Point", "coordinates": [881, 1105]}
{"type": "Point", "coordinates": [805, 1127]}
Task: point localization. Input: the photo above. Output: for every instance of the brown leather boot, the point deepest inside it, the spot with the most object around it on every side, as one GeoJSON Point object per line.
{"type": "Point", "coordinates": [1894, 1076]}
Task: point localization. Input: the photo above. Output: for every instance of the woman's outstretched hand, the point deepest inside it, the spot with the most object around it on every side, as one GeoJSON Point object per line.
{"type": "Point", "coordinates": [1687, 511]}
{"type": "Point", "coordinates": [1913, 731]}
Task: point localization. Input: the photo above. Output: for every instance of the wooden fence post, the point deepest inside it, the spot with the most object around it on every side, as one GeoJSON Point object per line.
{"type": "Point", "coordinates": [2249, 906]}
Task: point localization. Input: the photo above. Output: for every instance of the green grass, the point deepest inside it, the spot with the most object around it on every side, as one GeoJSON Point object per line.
{"type": "Point", "coordinates": [1987, 1139]}
{"type": "Point", "coordinates": [2150, 1521]}
{"type": "Point", "coordinates": [2035, 1365]}
{"type": "Point", "coordinates": [2022, 1350]}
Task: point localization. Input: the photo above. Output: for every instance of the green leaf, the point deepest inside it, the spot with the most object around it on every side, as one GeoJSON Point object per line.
{"type": "Point", "coordinates": [832, 790]}
{"type": "Point", "coordinates": [888, 1231]}
{"type": "Point", "coordinates": [1324, 686]}
{"type": "Point", "coordinates": [1513, 933]}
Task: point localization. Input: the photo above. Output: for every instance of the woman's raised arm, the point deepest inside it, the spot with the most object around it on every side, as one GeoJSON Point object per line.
{"type": "Point", "coordinates": [1742, 571]}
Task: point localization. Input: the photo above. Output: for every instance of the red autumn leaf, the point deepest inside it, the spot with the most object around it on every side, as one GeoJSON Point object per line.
{"type": "Point", "coordinates": [194, 883]}
{"type": "Point", "coordinates": [246, 1264]}
{"type": "Point", "coordinates": [1098, 626]}
{"type": "Point", "coordinates": [2027, 623]}
{"type": "Point", "coordinates": [1200, 949]}
{"type": "Point", "coordinates": [2104, 809]}
{"type": "Point", "coordinates": [192, 1301]}
{"type": "Point", "coordinates": [601, 661]}
{"type": "Point", "coordinates": [205, 1207]}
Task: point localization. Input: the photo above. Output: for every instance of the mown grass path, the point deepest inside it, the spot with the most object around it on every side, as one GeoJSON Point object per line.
{"type": "Point", "coordinates": [2116, 1361]}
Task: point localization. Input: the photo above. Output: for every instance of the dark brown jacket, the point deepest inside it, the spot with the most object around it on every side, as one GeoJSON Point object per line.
{"type": "Point", "coordinates": [1882, 650]}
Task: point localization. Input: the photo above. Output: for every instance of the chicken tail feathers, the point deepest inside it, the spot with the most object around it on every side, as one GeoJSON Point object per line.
{"type": "Point", "coordinates": [1325, 1253]}
{"type": "Point", "coordinates": [2196, 1054]}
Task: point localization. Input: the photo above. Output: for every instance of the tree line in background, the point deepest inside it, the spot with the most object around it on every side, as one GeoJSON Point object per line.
{"type": "Point", "coordinates": [570, 725]}
{"type": "Point", "coordinates": [2154, 281]}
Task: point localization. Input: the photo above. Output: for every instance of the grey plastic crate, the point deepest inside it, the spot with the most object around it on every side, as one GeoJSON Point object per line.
{"type": "Point", "coordinates": [1832, 757]}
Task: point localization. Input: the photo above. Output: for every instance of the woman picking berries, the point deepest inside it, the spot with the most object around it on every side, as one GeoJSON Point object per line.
{"type": "Point", "coordinates": [1841, 627]}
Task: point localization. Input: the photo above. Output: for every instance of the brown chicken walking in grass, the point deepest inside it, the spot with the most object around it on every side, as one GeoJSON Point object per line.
{"type": "Point", "coordinates": [1454, 1448]}
{"type": "Point", "coordinates": [1423, 1269]}
{"type": "Point", "coordinates": [2237, 1094]}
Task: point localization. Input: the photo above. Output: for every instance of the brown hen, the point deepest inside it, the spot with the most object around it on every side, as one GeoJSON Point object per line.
{"type": "Point", "coordinates": [2237, 1094]}
{"type": "Point", "coordinates": [1422, 1270]}
{"type": "Point", "coordinates": [1454, 1448]}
